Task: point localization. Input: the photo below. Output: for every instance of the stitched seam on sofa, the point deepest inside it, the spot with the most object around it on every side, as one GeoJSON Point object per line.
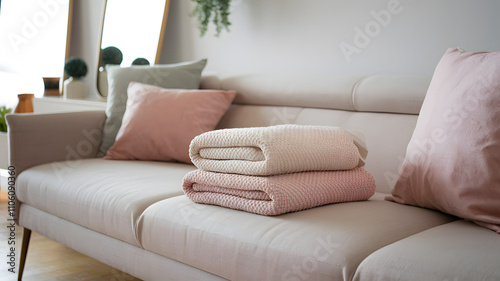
{"type": "Point", "coordinates": [354, 91]}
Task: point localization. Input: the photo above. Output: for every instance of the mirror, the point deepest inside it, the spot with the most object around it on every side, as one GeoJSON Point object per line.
{"type": "Point", "coordinates": [35, 43]}
{"type": "Point", "coordinates": [132, 33]}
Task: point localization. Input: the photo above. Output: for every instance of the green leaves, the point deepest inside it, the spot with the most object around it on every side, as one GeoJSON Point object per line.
{"type": "Point", "coordinates": [111, 55]}
{"type": "Point", "coordinates": [3, 124]}
{"type": "Point", "coordinates": [75, 67]}
{"type": "Point", "coordinates": [216, 11]}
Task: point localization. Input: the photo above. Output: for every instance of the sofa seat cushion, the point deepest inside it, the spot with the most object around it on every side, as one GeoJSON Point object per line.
{"type": "Point", "coordinates": [460, 250]}
{"type": "Point", "coordinates": [103, 195]}
{"type": "Point", "coordinates": [324, 243]}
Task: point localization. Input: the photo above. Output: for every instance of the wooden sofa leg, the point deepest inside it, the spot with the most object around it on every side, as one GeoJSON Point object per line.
{"type": "Point", "coordinates": [24, 252]}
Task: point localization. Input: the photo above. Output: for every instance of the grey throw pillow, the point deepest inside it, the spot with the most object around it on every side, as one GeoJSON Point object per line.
{"type": "Point", "coordinates": [185, 75]}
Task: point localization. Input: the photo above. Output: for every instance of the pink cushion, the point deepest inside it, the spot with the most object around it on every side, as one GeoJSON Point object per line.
{"type": "Point", "coordinates": [159, 124]}
{"type": "Point", "coordinates": [452, 162]}
{"type": "Point", "coordinates": [278, 194]}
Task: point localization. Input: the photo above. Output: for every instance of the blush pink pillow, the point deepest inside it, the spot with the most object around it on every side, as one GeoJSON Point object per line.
{"type": "Point", "coordinates": [452, 162]}
{"type": "Point", "coordinates": [159, 124]}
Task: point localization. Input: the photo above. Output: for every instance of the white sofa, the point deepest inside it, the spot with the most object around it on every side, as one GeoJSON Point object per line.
{"type": "Point", "coordinates": [133, 215]}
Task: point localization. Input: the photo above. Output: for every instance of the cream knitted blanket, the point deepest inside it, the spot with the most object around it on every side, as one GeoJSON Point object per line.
{"type": "Point", "coordinates": [279, 194]}
{"type": "Point", "coordinates": [274, 150]}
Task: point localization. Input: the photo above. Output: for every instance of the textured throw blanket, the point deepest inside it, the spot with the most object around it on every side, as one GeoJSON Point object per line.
{"type": "Point", "coordinates": [279, 194]}
{"type": "Point", "coordinates": [274, 150]}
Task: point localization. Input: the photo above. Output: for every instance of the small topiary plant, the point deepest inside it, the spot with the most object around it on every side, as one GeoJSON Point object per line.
{"type": "Point", "coordinates": [75, 67]}
{"type": "Point", "coordinates": [215, 10]}
{"type": "Point", "coordinates": [140, 61]}
{"type": "Point", "coordinates": [3, 124]}
{"type": "Point", "coordinates": [111, 55]}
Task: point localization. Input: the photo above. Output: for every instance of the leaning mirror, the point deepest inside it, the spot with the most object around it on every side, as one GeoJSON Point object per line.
{"type": "Point", "coordinates": [132, 33]}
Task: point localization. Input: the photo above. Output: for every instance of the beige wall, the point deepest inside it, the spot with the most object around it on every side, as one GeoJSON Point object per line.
{"type": "Point", "coordinates": [85, 38]}
{"type": "Point", "coordinates": [296, 36]}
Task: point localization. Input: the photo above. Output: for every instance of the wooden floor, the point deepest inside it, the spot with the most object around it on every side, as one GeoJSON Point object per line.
{"type": "Point", "coordinates": [49, 260]}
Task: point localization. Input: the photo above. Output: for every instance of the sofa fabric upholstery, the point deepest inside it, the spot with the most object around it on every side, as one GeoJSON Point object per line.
{"type": "Point", "coordinates": [380, 93]}
{"type": "Point", "coordinates": [132, 214]}
{"type": "Point", "coordinates": [120, 255]}
{"type": "Point", "coordinates": [323, 243]}
{"type": "Point", "coordinates": [103, 195]}
{"type": "Point", "coordinates": [78, 137]}
{"type": "Point", "coordinates": [395, 94]}
{"type": "Point", "coordinates": [459, 250]}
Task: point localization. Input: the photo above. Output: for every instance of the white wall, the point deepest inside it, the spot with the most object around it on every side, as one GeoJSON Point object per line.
{"type": "Point", "coordinates": [297, 36]}
{"type": "Point", "coordinates": [305, 36]}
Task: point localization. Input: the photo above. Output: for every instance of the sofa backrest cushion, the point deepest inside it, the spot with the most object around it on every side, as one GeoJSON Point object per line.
{"type": "Point", "coordinates": [348, 102]}
{"type": "Point", "coordinates": [381, 93]}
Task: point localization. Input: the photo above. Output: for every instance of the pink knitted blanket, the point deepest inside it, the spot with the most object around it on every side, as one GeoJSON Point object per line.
{"type": "Point", "coordinates": [275, 195]}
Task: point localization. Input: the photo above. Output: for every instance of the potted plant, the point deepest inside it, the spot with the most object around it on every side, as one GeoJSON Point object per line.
{"type": "Point", "coordinates": [3, 111]}
{"type": "Point", "coordinates": [216, 11]}
{"type": "Point", "coordinates": [76, 69]}
{"type": "Point", "coordinates": [140, 61]}
{"type": "Point", "coordinates": [111, 55]}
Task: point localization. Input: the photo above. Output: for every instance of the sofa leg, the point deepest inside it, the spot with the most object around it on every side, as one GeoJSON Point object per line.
{"type": "Point", "coordinates": [24, 252]}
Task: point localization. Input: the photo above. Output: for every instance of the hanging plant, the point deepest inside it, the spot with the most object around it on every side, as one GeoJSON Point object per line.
{"type": "Point", "coordinates": [216, 11]}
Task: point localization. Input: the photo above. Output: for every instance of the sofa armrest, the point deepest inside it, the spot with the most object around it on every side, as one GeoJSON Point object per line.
{"type": "Point", "coordinates": [36, 139]}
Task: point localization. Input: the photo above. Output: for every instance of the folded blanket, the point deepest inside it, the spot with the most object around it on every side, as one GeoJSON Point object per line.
{"type": "Point", "coordinates": [275, 150]}
{"type": "Point", "coordinates": [279, 194]}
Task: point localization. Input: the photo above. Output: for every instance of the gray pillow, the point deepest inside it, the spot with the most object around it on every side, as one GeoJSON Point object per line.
{"type": "Point", "coordinates": [185, 75]}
